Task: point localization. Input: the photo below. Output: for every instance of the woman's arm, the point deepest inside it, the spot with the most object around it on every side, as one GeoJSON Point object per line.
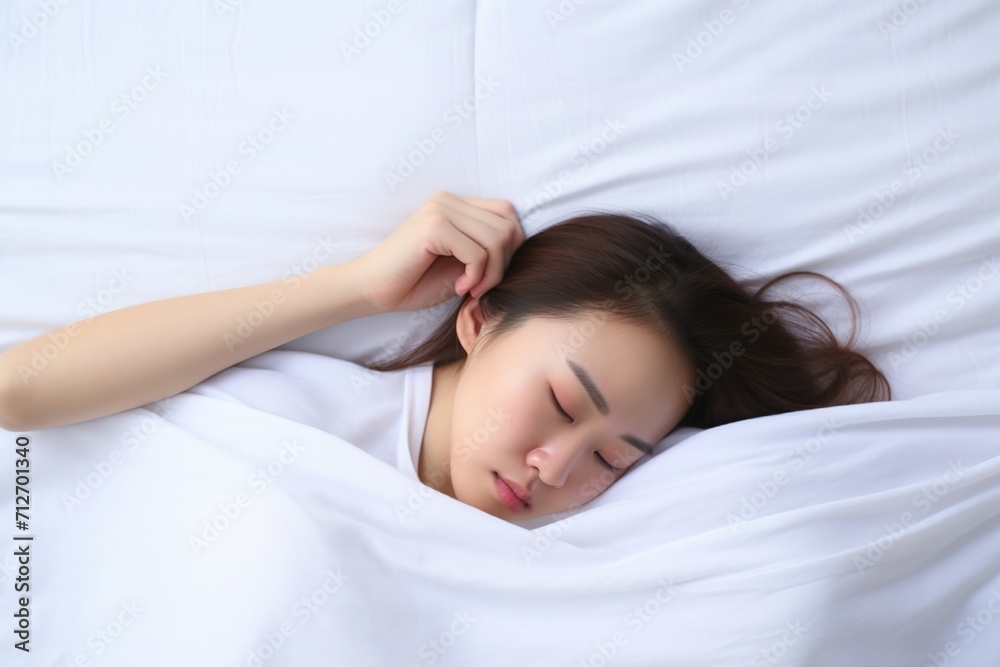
{"type": "Point", "coordinates": [133, 356]}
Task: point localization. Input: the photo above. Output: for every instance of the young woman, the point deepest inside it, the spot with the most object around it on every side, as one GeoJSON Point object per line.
{"type": "Point", "coordinates": [576, 351]}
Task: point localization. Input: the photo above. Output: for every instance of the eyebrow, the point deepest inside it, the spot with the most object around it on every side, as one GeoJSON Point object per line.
{"type": "Point", "coordinates": [602, 404]}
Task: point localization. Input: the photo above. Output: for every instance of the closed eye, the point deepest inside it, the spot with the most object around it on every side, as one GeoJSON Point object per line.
{"type": "Point", "coordinates": [608, 465]}
{"type": "Point", "coordinates": [604, 462]}
{"type": "Point", "coordinates": [555, 402]}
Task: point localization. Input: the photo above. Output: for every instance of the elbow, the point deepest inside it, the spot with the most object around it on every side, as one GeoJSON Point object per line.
{"type": "Point", "coordinates": [10, 412]}
{"type": "Point", "coordinates": [11, 426]}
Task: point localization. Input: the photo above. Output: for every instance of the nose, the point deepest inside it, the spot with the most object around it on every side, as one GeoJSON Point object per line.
{"type": "Point", "coordinates": [555, 459]}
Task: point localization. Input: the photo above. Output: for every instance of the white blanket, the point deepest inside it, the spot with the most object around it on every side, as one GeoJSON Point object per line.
{"type": "Point", "coordinates": [151, 150]}
{"type": "Point", "coordinates": [203, 532]}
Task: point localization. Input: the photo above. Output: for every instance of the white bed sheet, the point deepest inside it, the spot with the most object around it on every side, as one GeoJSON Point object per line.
{"type": "Point", "coordinates": [580, 105]}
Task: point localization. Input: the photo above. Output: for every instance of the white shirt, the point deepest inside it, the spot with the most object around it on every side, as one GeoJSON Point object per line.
{"type": "Point", "coordinates": [383, 413]}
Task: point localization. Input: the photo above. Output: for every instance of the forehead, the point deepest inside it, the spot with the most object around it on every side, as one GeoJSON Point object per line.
{"type": "Point", "coordinates": [594, 336]}
{"type": "Point", "coordinates": [628, 362]}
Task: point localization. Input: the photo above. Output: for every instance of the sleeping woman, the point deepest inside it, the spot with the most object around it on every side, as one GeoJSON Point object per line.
{"type": "Point", "coordinates": [595, 338]}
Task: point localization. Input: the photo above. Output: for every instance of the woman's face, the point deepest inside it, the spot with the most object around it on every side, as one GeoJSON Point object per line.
{"type": "Point", "coordinates": [552, 406]}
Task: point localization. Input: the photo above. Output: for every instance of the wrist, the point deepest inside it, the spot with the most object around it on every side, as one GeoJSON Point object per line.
{"type": "Point", "coordinates": [341, 285]}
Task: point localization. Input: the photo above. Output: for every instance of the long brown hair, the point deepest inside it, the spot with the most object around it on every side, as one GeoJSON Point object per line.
{"type": "Point", "coordinates": [753, 356]}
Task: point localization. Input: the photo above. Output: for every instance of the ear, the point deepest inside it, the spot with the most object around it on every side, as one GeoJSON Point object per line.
{"type": "Point", "coordinates": [469, 324]}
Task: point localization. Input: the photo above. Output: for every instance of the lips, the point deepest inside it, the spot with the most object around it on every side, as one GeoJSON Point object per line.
{"type": "Point", "coordinates": [506, 487]}
{"type": "Point", "coordinates": [521, 492]}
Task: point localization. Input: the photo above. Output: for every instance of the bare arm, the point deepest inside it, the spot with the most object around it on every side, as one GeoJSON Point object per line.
{"type": "Point", "coordinates": [133, 356]}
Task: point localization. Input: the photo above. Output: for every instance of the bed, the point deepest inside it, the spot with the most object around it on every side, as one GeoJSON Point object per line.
{"type": "Point", "coordinates": [152, 150]}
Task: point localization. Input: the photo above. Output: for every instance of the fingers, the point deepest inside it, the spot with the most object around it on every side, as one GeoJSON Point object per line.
{"type": "Point", "coordinates": [461, 207]}
{"type": "Point", "coordinates": [497, 235]}
{"type": "Point", "coordinates": [500, 207]}
{"type": "Point", "coordinates": [452, 239]}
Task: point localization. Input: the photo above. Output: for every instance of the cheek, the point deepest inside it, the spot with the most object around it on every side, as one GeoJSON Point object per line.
{"type": "Point", "coordinates": [527, 422]}
{"type": "Point", "coordinates": [480, 427]}
{"type": "Point", "coordinates": [499, 436]}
